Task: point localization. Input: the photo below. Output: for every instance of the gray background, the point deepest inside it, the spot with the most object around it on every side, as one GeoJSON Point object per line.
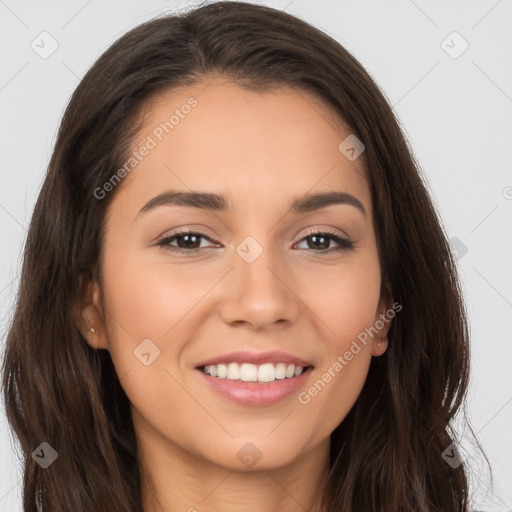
{"type": "Point", "coordinates": [456, 113]}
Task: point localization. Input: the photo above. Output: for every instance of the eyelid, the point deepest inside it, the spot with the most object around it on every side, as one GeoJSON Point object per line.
{"type": "Point", "coordinates": [200, 230]}
{"type": "Point", "coordinates": [342, 241]}
{"type": "Point", "coordinates": [326, 230]}
{"type": "Point", "coordinates": [309, 231]}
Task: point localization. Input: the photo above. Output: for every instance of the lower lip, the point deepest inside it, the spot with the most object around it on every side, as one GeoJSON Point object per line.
{"type": "Point", "coordinates": [256, 393]}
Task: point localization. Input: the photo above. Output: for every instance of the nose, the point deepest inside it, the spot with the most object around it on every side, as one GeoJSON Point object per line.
{"type": "Point", "coordinates": [259, 292]}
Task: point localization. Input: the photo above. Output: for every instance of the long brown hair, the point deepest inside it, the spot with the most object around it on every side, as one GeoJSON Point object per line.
{"type": "Point", "coordinates": [386, 455]}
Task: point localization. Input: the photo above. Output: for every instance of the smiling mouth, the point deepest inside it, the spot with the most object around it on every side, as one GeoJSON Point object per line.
{"type": "Point", "coordinates": [247, 372]}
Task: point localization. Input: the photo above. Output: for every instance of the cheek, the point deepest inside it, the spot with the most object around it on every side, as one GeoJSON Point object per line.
{"type": "Point", "coordinates": [143, 302]}
{"type": "Point", "coordinates": [333, 391]}
{"type": "Point", "coordinates": [147, 298]}
{"type": "Point", "coordinates": [347, 311]}
{"type": "Point", "coordinates": [339, 379]}
{"type": "Point", "coordinates": [345, 298]}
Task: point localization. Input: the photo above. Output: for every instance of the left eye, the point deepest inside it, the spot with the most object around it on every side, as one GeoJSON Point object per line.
{"type": "Point", "coordinates": [344, 244]}
{"type": "Point", "coordinates": [189, 241]}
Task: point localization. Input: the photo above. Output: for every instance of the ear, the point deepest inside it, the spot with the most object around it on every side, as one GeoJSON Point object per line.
{"type": "Point", "coordinates": [382, 323]}
{"type": "Point", "coordinates": [89, 312]}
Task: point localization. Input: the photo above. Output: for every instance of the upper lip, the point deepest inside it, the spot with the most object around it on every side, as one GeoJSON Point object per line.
{"type": "Point", "coordinates": [256, 358]}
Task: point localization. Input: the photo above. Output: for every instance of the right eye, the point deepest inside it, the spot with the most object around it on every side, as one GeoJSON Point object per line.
{"type": "Point", "coordinates": [184, 239]}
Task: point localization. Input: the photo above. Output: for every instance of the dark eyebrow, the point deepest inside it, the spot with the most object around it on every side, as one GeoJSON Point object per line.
{"type": "Point", "coordinates": [216, 202]}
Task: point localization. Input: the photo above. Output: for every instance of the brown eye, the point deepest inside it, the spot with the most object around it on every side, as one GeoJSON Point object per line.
{"type": "Point", "coordinates": [187, 241]}
{"type": "Point", "coordinates": [318, 241]}
{"type": "Point", "coordinates": [322, 239]}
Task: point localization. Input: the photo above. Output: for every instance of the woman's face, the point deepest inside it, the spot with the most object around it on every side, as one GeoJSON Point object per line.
{"type": "Point", "coordinates": [266, 285]}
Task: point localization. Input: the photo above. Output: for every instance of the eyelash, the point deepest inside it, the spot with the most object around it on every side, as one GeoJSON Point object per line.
{"type": "Point", "coordinates": [344, 243]}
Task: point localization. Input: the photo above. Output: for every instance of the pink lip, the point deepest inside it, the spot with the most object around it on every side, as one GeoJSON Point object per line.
{"type": "Point", "coordinates": [257, 358]}
{"type": "Point", "coordinates": [256, 393]}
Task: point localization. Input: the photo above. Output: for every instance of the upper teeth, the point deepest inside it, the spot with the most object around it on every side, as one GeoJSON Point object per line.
{"type": "Point", "coordinates": [252, 373]}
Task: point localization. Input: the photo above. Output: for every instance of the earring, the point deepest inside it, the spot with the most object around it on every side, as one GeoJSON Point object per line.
{"type": "Point", "coordinates": [92, 330]}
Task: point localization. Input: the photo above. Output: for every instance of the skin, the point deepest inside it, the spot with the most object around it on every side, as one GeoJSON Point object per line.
{"type": "Point", "coordinates": [260, 150]}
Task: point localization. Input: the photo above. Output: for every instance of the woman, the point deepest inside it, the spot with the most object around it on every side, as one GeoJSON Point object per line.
{"type": "Point", "coordinates": [148, 370]}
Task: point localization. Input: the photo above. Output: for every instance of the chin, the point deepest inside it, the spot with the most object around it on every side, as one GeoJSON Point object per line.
{"type": "Point", "coordinates": [255, 453]}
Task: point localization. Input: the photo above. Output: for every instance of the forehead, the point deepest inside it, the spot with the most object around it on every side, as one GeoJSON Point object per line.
{"type": "Point", "coordinates": [249, 146]}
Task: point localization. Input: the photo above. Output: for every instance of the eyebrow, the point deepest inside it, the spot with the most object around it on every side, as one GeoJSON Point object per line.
{"type": "Point", "coordinates": [219, 203]}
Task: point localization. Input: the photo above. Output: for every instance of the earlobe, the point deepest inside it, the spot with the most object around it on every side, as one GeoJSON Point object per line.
{"type": "Point", "coordinates": [92, 325]}
{"type": "Point", "coordinates": [382, 323]}
{"type": "Point", "coordinates": [379, 347]}
{"type": "Point", "coordinates": [92, 339]}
